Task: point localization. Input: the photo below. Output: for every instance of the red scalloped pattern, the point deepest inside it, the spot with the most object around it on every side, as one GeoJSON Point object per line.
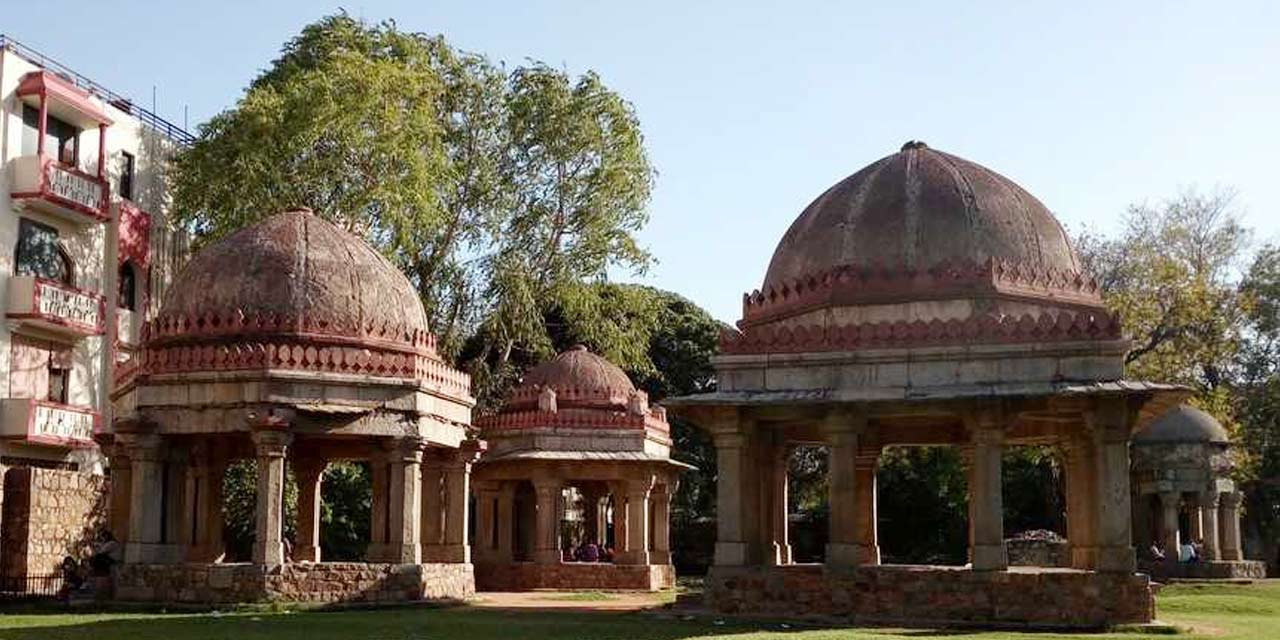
{"type": "Point", "coordinates": [574, 419]}
{"type": "Point", "coordinates": [859, 285]}
{"type": "Point", "coordinates": [183, 327]}
{"type": "Point", "coordinates": [568, 396]}
{"type": "Point", "coordinates": [987, 329]}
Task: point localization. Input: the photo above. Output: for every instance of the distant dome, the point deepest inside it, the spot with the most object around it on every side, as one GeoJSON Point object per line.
{"type": "Point", "coordinates": [579, 378]}
{"type": "Point", "coordinates": [298, 289]}
{"type": "Point", "coordinates": [1183, 424]}
{"type": "Point", "coordinates": [915, 210]}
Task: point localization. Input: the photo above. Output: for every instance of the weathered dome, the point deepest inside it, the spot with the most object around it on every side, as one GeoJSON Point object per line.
{"type": "Point", "coordinates": [291, 291]}
{"type": "Point", "coordinates": [915, 210]}
{"type": "Point", "coordinates": [579, 378]}
{"type": "Point", "coordinates": [1183, 424]}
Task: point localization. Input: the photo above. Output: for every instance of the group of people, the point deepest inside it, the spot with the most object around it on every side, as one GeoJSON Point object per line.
{"type": "Point", "coordinates": [1187, 552]}
{"type": "Point", "coordinates": [588, 552]}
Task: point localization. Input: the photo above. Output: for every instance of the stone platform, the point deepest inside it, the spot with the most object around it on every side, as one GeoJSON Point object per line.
{"type": "Point", "coordinates": [928, 595]}
{"type": "Point", "coordinates": [570, 576]}
{"type": "Point", "coordinates": [1215, 570]}
{"type": "Point", "coordinates": [320, 583]}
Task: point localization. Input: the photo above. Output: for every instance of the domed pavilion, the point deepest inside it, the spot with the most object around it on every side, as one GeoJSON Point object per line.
{"type": "Point", "coordinates": [1183, 492]}
{"type": "Point", "coordinates": [924, 301]}
{"type": "Point", "coordinates": [575, 438]}
{"type": "Point", "coordinates": [291, 343]}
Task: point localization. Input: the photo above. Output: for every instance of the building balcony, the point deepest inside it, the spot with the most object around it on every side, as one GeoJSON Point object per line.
{"type": "Point", "coordinates": [52, 308]}
{"type": "Point", "coordinates": [128, 328]}
{"type": "Point", "coordinates": [46, 185]}
{"type": "Point", "coordinates": [42, 422]}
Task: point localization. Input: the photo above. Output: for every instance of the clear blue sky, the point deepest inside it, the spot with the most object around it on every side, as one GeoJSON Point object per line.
{"type": "Point", "coordinates": [750, 110]}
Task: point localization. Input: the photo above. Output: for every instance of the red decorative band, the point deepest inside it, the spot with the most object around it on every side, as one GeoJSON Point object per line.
{"type": "Point", "coordinates": [573, 419]}
{"type": "Point", "coordinates": [216, 327]}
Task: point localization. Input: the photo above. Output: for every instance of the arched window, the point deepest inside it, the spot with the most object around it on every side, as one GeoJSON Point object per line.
{"type": "Point", "coordinates": [39, 253]}
{"type": "Point", "coordinates": [68, 270]}
{"type": "Point", "coordinates": [128, 287]}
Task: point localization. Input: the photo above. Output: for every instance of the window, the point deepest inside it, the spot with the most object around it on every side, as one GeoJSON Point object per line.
{"type": "Point", "coordinates": [126, 175]}
{"type": "Point", "coordinates": [59, 377]}
{"type": "Point", "coordinates": [40, 254]}
{"type": "Point", "coordinates": [128, 287]}
{"type": "Point", "coordinates": [61, 139]}
{"type": "Point", "coordinates": [40, 370]}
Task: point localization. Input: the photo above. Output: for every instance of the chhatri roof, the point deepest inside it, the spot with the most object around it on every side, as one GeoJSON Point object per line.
{"type": "Point", "coordinates": [1184, 424]}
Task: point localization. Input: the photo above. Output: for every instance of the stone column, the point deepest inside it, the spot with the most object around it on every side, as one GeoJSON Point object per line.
{"type": "Point", "coordinates": [457, 491]}
{"type": "Point", "coordinates": [1114, 526]}
{"type": "Point", "coordinates": [737, 516]}
{"type": "Point", "coordinates": [986, 496]}
{"type": "Point", "coordinates": [146, 495]}
{"type": "Point", "coordinates": [618, 502]}
{"type": "Point", "coordinates": [774, 505]}
{"type": "Point", "coordinates": [379, 549]}
{"type": "Point", "coordinates": [637, 549]}
{"type": "Point", "coordinates": [1195, 519]}
{"type": "Point", "coordinates": [404, 518]}
{"type": "Point", "coordinates": [1080, 489]}
{"type": "Point", "coordinates": [121, 493]}
{"type": "Point", "coordinates": [486, 541]}
{"type": "Point", "coordinates": [546, 549]}
{"type": "Point", "coordinates": [270, 446]}
{"type": "Point", "coordinates": [204, 505]}
{"type": "Point", "coordinates": [868, 537]}
{"type": "Point", "coordinates": [1208, 503]}
{"type": "Point", "coordinates": [661, 524]}
{"type": "Point", "coordinates": [591, 525]}
{"type": "Point", "coordinates": [506, 522]}
{"type": "Point", "coordinates": [842, 545]}
{"type": "Point", "coordinates": [308, 473]}
{"type": "Point", "coordinates": [432, 528]}
{"type": "Point", "coordinates": [1230, 523]}
{"type": "Point", "coordinates": [1169, 502]}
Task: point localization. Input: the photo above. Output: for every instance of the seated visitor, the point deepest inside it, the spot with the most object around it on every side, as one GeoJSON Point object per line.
{"type": "Point", "coordinates": [106, 552]}
{"type": "Point", "coordinates": [1198, 547]}
{"type": "Point", "coordinates": [589, 552]}
{"type": "Point", "coordinates": [1156, 552]}
{"type": "Point", "coordinates": [1186, 553]}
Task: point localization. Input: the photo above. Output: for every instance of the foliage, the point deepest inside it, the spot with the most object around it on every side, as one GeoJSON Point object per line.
{"type": "Point", "coordinates": [492, 191]}
{"type": "Point", "coordinates": [239, 506]}
{"type": "Point", "coordinates": [346, 501]}
{"type": "Point", "coordinates": [1034, 493]}
{"type": "Point", "coordinates": [924, 509]}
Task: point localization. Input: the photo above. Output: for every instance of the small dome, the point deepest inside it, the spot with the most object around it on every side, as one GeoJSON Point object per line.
{"type": "Point", "coordinates": [915, 210]}
{"type": "Point", "coordinates": [293, 290]}
{"type": "Point", "coordinates": [1183, 424]}
{"type": "Point", "coordinates": [579, 378]}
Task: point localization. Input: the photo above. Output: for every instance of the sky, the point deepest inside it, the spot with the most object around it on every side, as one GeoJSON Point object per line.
{"type": "Point", "coordinates": [750, 109]}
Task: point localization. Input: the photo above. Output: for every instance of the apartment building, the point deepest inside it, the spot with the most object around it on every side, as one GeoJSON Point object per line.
{"type": "Point", "coordinates": [85, 249]}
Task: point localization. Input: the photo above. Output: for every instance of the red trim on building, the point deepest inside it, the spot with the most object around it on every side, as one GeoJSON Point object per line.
{"type": "Point", "coordinates": [51, 85]}
{"type": "Point", "coordinates": [100, 214]}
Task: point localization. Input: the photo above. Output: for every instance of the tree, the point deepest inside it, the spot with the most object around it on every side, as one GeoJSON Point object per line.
{"type": "Point", "coordinates": [1258, 402]}
{"type": "Point", "coordinates": [491, 191]}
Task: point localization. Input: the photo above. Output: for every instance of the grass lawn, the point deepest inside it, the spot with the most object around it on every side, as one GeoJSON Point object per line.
{"type": "Point", "coordinates": [1223, 612]}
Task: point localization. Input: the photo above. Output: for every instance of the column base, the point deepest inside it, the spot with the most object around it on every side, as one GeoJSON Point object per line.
{"type": "Point", "coordinates": [268, 553]}
{"type": "Point", "coordinates": [151, 553]}
{"type": "Point", "coordinates": [659, 557]}
{"type": "Point", "coordinates": [778, 554]}
{"type": "Point", "coordinates": [450, 553]}
{"type": "Point", "coordinates": [731, 553]}
{"type": "Point", "coordinates": [547, 556]}
{"type": "Point", "coordinates": [989, 557]}
{"type": "Point", "coordinates": [1117, 560]}
{"type": "Point", "coordinates": [868, 554]}
{"type": "Point", "coordinates": [843, 554]}
{"type": "Point", "coordinates": [1084, 557]}
{"type": "Point", "coordinates": [208, 555]}
{"type": "Point", "coordinates": [379, 552]}
{"type": "Point", "coordinates": [632, 557]}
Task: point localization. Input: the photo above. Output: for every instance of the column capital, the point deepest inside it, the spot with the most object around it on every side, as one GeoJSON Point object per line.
{"type": "Point", "coordinates": [1170, 498]}
{"type": "Point", "coordinates": [729, 440]}
{"type": "Point", "coordinates": [1231, 499]}
{"type": "Point", "coordinates": [271, 444]}
{"type": "Point", "coordinates": [842, 421]}
{"type": "Point", "coordinates": [138, 446]}
{"type": "Point", "coordinates": [1208, 499]}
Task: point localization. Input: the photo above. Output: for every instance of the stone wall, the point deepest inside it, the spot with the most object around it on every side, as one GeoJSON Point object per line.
{"type": "Point", "coordinates": [923, 595]}
{"type": "Point", "coordinates": [593, 576]}
{"type": "Point", "coordinates": [48, 515]}
{"type": "Point", "coordinates": [325, 582]}
{"type": "Point", "coordinates": [1038, 549]}
{"type": "Point", "coordinates": [1216, 570]}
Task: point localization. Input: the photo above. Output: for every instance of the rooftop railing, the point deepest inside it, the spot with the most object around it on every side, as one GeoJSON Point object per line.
{"type": "Point", "coordinates": [149, 119]}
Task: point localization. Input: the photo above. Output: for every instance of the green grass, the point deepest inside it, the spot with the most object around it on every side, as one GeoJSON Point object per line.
{"type": "Point", "coordinates": [580, 596]}
{"type": "Point", "coordinates": [1219, 612]}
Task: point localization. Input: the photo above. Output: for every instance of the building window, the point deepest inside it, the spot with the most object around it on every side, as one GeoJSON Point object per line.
{"type": "Point", "coordinates": [61, 139]}
{"type": "Point", "coordinates": [126, 175]}
{"type": "Point", "coordinates": [59, 377]}
{"type": "Point", "coordinates": [128, 287]}
{"type": "Point", "coordinates": [40, 254]}
{"type": "Point", "coordinates": [40, 370]}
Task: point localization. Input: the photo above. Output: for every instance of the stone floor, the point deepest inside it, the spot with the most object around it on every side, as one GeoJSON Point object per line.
{"type": "Point", "coordinates": [568, 600]}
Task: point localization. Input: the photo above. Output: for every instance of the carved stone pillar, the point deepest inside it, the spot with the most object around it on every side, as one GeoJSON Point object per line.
{"type": "Point", "coordinates": [1230, 522]}
{"type": "Point", "coordinates": [1169, 504]}
{"type": "Point", "coordinates": [842, 433]}
{"type": "Point", "coordinates": [617, 503]}
{"type": "Point", "coordinates": [1080, 490]}
{"type": "Point", "coordinates": [661, 553]}
{"type": "Point", "coordinates": [737, 516]}
{"type": "Point", "coordinates": [1208, 503]}
{"type": "Point", "coordinates": [637, 549]}
{"type": "Point", "coordinates": [203, 532]}
{"type": "Point", "coordinates": [308, 473]}
{"type": "Point", "coordinates": [270, 446]}
{"type": "Point", "coordinates": [546, 548]}
{"type": "Point", "coordinates": [405, 497]}
{"type": "Point", "coordinates": [777, 543]}
{"type": "Point", "coordinates": [1114, 525]}
{"type": "Point", "coordinates": [457, 491]}
{"type": "Point", "coordinates": [986, 497]}
{"type": "Point", "coordinates": [486, 540]}
{"type": "Point", "coordinates": [591, 524]}
{"type": "Point", "coordinates": [121, 493]}
{"type": "Point", "coordinates": [868, 537]}
{"type": "Point", "coordinates": [432, 529]}
{"type": "Point", "coordinates": [379, 549]}
{"type": "Point", "coordinates": [506, 522]}
{"type": "Point", "coordinates": [146, 495]}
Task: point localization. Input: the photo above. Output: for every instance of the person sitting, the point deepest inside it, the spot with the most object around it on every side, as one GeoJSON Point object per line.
{"type": "Point", "coordinates": [106, 553]}
{"type": "Point", "coordinates": [1157, 553]}
{"type": "Point", "coordinates": [1186, 552]}
{"type": "Point", "coordinates": [589, 552]}
{"type": "Point", "coordinates": [1198, 546]}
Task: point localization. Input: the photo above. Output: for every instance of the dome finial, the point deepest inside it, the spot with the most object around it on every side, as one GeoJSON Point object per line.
{"type": "Point", "coordinates": [578, 347]}
{"type": "Point", "coordinates": [912, 145]}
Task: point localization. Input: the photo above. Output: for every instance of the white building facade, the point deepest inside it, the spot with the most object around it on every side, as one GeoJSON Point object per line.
{"type": "Point", "coordinates": [85, 247]}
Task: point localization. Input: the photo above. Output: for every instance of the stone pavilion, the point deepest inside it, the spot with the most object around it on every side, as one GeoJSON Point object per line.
{"type": "Point", "coordinates": [1183, 492]}
{"type": "Point", "coordinates": [925, 301]}
{"type": "Point", "coordinates": [293, 343]}
{"type": "Point", "coordinates": [575, 436]}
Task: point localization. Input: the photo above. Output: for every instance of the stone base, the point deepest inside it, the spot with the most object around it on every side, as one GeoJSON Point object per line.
{"type": "Point", "coordinates": [570, 576]}
{"type": "Point", "coordinates": [325, 582]}
{"type": "Point", "coordinates": [1216, 570]}
{"type": "Point", "coordinates": [926, 595]}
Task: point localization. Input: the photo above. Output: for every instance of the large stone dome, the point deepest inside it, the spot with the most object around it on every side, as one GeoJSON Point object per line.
{"type": "Point", "coordinates": [291, 291]}
{"type": "Point", "coordinates": [915, 210]}
{"type": "Point", "coordinates": [578, 377]}
{"type": "Point", "coordinates": [1184, 424]}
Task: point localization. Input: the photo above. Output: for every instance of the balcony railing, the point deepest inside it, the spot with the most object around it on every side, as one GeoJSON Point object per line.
{"type": "Point", "coordinates": [128, 327]}
{"type": "Point", "coordinates": [50, 186]}
{"type": "Point", "coordinates": [42, 422]}
{"type": "Point", "coordinates": [55, 308]}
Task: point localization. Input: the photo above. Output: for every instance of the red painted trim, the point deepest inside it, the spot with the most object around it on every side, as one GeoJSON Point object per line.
{"type": "Point", "coordinates": [102, 153]}
{"type": "Point", "coordinates": [47, 84]}
{"type": "Point", "coordinates": [84, 329]}
{"type": "Point", "coordinates": [100, 214]}
{"type": "Point", "coordinates": [35, 438]}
